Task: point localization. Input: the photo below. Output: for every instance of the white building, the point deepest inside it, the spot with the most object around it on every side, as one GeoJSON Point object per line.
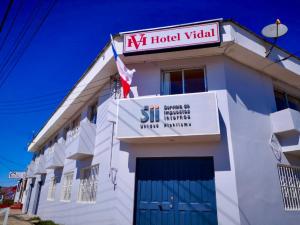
{"type": "Point", "coordinates": [209, 135]}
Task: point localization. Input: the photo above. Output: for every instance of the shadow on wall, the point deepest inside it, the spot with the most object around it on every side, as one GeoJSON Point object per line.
{"type": "Point", "coordinates": [219, 150]}
{"type": "Point", "coordinates": [249, 89]}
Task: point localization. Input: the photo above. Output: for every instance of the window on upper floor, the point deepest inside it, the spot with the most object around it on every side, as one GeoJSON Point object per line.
{"type": "Point", "coordinates": [289, 178]}
{"type": "Point", "coordinates": [183, 81]}
{"type": "Point", "coordinates": [285, 100]}
{"type": "Point", "coordinates": [66, 130]}
{"type": "Point", "coordinates": [92, 114]}
{"type": "Point", "coordinates": [67, 187]}
{"type": "Point", "coordinates": [88, 184]}
{"type": "Point", "coordinates": [52, 188]}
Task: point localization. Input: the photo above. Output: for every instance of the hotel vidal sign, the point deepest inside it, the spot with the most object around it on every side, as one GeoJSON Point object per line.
{"type": "Point", "coordinates": [172, 38]}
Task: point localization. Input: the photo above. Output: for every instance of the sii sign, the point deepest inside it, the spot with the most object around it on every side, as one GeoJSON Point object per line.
{"type": "Point", "coordinates": [169, 38]}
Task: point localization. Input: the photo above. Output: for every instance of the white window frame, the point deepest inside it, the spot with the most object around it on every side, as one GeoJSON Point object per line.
{"type": "Point", "coordinates": [67, 187]}
{"type": "Point", "coordinates": [289, 178]}
{"type": "Point", "coordinates": [88, 186]}
{"type": "Point", "coordinates": [52, 189]}
{"type": "Point", "coordinates": [163, 72]}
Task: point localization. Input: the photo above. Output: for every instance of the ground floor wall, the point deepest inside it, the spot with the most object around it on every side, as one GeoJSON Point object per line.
{"type": "Point", "coordinates": [116, 197]}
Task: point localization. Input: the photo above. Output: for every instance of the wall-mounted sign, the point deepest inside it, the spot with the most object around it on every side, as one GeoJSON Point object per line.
{"type": "Point", "coordinates": [171, 38]}
{"type": "Point", "coordinates": [16, 175]}
{"type": "Point", "coordinates": [192, 117]}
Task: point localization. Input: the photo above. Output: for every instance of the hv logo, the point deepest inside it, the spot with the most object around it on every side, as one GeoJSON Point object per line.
{"type": "Point", "coordinates": [137, 40]}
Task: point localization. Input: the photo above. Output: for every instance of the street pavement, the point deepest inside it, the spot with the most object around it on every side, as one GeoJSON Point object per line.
{"type": "Point", "coordinates": [16, 218]}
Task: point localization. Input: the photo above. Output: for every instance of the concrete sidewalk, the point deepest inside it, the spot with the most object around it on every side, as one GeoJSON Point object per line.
{"type": "Point", "coordinates": [16, 218]}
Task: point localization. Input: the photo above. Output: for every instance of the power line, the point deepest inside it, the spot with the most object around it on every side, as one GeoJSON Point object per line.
{"type": "Point", "coordinates": [39, 102]}
{"type": "Point", "coordinates": [43, 109]}
{"type": "Point", "coordinates": [6, 14]}
{"type": "Point", "coordinates": [28, 44]}
{"type": "Point", "coordinates": [3, 164]}
{"type": "Point", "coordinates": [13, 162]}
{"type": "Point", "coordinates": [14, 107]}
{"type": "Point", "coordinates": [12, 24]}
{"type": "Point", "coordinates": [19, 38]}
{"type": "Point", "coordinates": [54, 93]}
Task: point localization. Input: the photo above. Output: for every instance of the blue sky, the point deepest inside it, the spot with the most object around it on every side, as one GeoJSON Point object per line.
{"type": "Point", "coordinates": [72, 36]}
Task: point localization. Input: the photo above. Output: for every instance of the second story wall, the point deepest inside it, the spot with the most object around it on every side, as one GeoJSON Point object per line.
{"type": "Point", "coordinates": [147, 79]}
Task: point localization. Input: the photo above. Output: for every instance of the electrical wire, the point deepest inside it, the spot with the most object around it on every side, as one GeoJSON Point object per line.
{"type": "Point", "coordinates": [28, 44]}
{"type": "Point", "coordinates": [55, 93]}
{"type": "Point", "coordinates": [44, 109]}
{"type": "Point", "coordinates": [6, 14]}
{"type": "Point", "coordinates": [20, 36]}
{"type": "Point", "coordinates": [12, 24]}
{"type": "Point", "coordinates": [50, 104]}
{"type": "Point", "coordinates": [13, 162]}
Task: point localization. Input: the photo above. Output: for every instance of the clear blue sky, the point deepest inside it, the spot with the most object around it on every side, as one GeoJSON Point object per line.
{"type": "Point", "coordinates": [72, 36]}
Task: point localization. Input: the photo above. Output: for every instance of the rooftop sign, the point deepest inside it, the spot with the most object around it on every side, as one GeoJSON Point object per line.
{"type": "Point", "coordinates": [16, 175]}
{"type": "Point", "coordinates": [172, 38]}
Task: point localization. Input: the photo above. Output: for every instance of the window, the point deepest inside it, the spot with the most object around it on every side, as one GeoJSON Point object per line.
{"type": "Point", "coordinates": [183, 81]}
{"type": "Point", "coordinates": [88, 184]}
{"type": "Point", "coordinates": [289, 178]}
{"type": "Point", "coordinates": [93, 113]}
{"type": "Point", "coordinates": [66, 130]}
{"type": "Point", "coordinates": [52, 188]}
{"type": "Point", "coordinates": [284, 101]}
{"type": "Point", "coordinates": [67, 187]}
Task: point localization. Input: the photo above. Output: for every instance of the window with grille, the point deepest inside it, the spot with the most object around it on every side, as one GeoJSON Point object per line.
{"type": "Point", "coordinates": [289, 178]}
{"type": "Point", "coordinates": [52, 188]}
{"type": "Point", "coordinates": [88, 184]}
{"type": "Point", "coordinates": [67, 187]}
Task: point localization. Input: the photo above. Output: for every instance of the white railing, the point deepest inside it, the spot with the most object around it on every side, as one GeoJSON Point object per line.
{"type": "Point", "coordinates": [72, 134]}
{"type": "Point", "coordinates": [289, 177]}
{"type": "Point", "coordinates": [5, 211]}
{"type": "Point", "coordinates": [49, 155]}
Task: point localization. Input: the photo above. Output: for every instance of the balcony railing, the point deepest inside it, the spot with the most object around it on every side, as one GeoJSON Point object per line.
{"type": "Point", "coordinates": [80, 143]}
{"type": "Point", "coordinates": [286, 121]}
{"type": "Point", "coordinates": [286, 126]}
{"type": "Point", "coordinates": [30, 169]}
{"type": "Point", "coordinates": [55, 156]}
{"type": "Point", "coordinates": [40, 167]}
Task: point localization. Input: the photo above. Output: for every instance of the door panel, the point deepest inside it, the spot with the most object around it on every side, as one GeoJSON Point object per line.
{"type": "Point", "coordinates": [175, 191]}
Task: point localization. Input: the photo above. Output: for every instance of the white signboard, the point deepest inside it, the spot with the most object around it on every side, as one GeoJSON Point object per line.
{"type": "Point", "coordinates": [169, 38]}
{"type": "Point", "coordinates": [16, 175]}
{"type": "Point", "coordinates": [186, 117]}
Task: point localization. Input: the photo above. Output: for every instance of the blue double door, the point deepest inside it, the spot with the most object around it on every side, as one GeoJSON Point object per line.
{"type": "Point", "coordinates": [175, 191]}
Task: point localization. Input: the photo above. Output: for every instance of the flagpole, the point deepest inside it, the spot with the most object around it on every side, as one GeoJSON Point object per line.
{"type": "Point", "coordinates": [112, 41]}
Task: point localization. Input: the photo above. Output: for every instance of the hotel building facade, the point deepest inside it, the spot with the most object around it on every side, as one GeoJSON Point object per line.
{"type": "Point", "coordinates": [208, 135]}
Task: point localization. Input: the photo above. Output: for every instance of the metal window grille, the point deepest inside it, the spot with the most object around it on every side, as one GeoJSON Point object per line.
{"type": "Point", "coordinates": [88, 184]}
{"type": "Point", "coordinates": [289, 178]}
{"type": "Point", "coordinates": [52, 188]}
{"type": "Point", "coordinates": [67, 187]}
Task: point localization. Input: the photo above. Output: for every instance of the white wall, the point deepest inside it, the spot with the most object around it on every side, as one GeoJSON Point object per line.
{"type": "Point", "coordinates": [247, 187]}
